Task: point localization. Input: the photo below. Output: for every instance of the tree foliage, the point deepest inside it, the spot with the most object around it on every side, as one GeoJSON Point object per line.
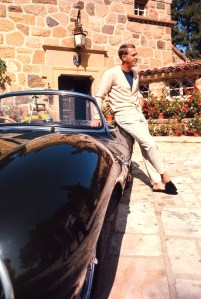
{"type": "Point", "coordinates": [186, 34]}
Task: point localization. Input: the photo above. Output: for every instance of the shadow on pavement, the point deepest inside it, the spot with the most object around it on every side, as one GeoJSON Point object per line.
{"type": "Point", "coordinates": [111, 240]}
{"type": "Point", "coordinates": [138, 173]}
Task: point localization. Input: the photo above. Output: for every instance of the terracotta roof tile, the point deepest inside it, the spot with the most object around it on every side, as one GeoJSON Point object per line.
{"type": "Point", "coordinates": [186, 66]}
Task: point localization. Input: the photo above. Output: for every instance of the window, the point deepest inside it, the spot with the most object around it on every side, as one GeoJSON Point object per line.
{"type": "Point", "coordinates": [139, 8]}
{"type": "Point", "coordinates": [174, 89]}
{"type": "Point", "coordinates": [187, 85]}
{"type": "Point", "coordinates": [177, 88]}
{"type": "Point", "coordinates": [144, 90]}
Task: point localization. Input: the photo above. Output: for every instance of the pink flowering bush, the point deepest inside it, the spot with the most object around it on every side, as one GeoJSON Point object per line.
{"type": "Point", "coordinates": [187, 107]}
{"type": "Point", "coordinates": [182, 115]}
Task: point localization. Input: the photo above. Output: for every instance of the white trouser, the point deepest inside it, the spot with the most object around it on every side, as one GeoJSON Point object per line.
{"type": "Point", "coordinates": [137, 126]}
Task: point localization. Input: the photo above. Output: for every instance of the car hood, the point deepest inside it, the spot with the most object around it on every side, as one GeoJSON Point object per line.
{"type": "Point", "coordinates": [50, 188]}
{"type": "Point", "coordinates": [11, 139]}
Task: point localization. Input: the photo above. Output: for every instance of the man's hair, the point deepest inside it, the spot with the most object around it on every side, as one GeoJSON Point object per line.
{"type": "Point", "coordinates": [123, 50]}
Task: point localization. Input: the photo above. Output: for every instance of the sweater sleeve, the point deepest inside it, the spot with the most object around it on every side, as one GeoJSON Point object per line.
{"type": "Point", "coordinates": [104, 87]}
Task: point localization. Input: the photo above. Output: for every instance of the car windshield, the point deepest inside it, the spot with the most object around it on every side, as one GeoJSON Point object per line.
{"type": "Point", "coordinates": [61, 108]}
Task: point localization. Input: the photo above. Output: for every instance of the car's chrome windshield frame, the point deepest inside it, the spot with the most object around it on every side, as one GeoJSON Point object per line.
{"type": "Point", "coordinates": [57, 126]}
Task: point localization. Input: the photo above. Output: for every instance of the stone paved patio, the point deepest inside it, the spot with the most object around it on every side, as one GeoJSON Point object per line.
{"type": "Point", "coordinates": [153, 241]}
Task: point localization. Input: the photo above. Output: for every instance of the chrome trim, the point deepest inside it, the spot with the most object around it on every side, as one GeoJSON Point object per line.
{"type": "Point", "coordinates": [46, 91]}
{"type": "Point", "coordinates": [87, 287]}
{"type": "Point", "coordinates": [5, 281]}
{"type": "Point", "coordinates": [48, 128]}
{"type": "Point", "coordinates": [103, 129]}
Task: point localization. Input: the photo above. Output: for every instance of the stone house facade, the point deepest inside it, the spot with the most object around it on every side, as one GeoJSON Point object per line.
{"type": "Point", "coordinates": [37, 43]}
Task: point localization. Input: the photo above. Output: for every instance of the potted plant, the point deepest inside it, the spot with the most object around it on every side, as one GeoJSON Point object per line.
{"type": "Point", "coordinates": [159, 129]}
{"type": "Point", "coordinates": [107, 112]}
{"type": "Point", "coordinates": [145, 109]}
{"type": "Point", "coordinates": [154, 129]}
{"type": "Point", "coordinates": [177, 128]}
{"type": "Point", "coordinates": [163, 108]}
{"type": "Point", "coordinates": [192, 101]}
{"type": "Point", "coordinates": [194, 126]}
{"type": "Point", "coordinates": [3, 78]}
{"type": "Point", "coordinates": [155, 108]}
{"type": "Point", "coordinates": [165, 129]}
{"type": "Point", "coordinates": [150, 107]}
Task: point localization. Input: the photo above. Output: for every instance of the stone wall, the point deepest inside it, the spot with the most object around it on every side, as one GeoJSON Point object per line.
{"type": "Point", "coordinates": [28, 27]}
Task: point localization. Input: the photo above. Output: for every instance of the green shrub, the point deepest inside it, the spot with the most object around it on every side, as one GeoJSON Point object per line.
{"type": "Point", "coordinates": [3, 78]}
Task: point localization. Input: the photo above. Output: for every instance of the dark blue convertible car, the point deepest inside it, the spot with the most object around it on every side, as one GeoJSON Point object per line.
{"type": "Point", "coordinates": [60, 176]}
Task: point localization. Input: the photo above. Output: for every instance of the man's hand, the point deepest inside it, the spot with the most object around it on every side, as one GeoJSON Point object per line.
{"type": "Point", "coordinates": [96, 123]}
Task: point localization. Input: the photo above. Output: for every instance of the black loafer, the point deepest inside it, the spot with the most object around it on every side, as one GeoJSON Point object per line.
{"type": "Point", "coordinates": [170, 188]}
{"type": "Point", "coordinates": [159, 190]}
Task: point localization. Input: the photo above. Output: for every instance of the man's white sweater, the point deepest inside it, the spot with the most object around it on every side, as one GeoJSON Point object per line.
{"type": "Point", "coordinates": [122, 99]}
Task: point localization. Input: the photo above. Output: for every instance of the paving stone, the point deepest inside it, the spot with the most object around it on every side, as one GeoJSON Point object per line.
{"type": "Point", "coordinates": [184, 257]}
{"type": "Point", "coordinates": [139, 218]}
{"type": "Point", "coordinates": [136, 245]}
{"type": "Point", "coordinates": [168, 201]}
{"type": "Point", "coordinates": [192, 204]}
{"type": "Point", "coordinates": [141, 197]}
{"type": "Point", "coordinates": [188, 197]}
{"type": "Point", "coordinates": [140, 278]}
{"type": "Point", "coordinates": [182, 222]}
{"type": "Point", "coordinates": [188, 289]}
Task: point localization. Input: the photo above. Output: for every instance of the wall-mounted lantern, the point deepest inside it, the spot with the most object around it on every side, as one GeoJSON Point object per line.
{"type": "Point", "coordinates": [79, 39]}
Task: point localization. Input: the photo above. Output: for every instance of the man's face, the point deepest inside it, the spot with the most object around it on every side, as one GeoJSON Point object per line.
{"type": "Point", "coordinates": [131, 58]}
